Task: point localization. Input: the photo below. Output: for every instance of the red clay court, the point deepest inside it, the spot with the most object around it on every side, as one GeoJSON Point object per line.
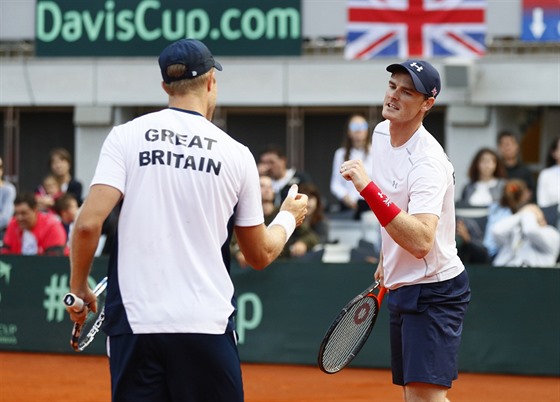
{"type": "Point", "coordinates": [34, 377]}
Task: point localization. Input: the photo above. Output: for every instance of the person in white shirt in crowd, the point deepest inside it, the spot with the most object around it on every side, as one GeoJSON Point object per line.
{"type": "Point", "coordinates": [7, 197]}
{"type": "Point", "coordinates": [548, 183]}
{"type": "Point", "coordinates": [355, 145]}
{"type": "Point", "coordinates": [487, 178]}
{"type": "Point", "coordinates": [524, 238]}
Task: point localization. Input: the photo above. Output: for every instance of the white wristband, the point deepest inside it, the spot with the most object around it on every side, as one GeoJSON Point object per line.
{"type": "Point", "coordinates": [287, 221]}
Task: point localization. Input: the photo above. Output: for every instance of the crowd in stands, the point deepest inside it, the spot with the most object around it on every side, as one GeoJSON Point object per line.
{"type": "Point", "coordinates": [504, 216]}
{"type": "Point", "coordinates": [7, 197]}
{"type": "Point", "coordinates": [520, 222]}
{"type": "Point", "coordinates": [40, 222]}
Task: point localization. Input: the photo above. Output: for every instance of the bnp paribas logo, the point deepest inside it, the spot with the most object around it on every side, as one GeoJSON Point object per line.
{"type": "Point", "coordinates": [8, 331]}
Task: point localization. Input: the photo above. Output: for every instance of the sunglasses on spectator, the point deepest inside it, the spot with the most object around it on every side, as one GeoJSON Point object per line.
{"type": "Point", "coordinates": [358, 126]}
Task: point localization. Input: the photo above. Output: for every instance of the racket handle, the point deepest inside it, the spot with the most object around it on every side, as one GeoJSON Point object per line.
{"type": "Point", "coordinates": [74, 302]}
{"type": "Point", "coordinates": [293, 191]}
{"type": "Point", "coordinates": [75, 337]}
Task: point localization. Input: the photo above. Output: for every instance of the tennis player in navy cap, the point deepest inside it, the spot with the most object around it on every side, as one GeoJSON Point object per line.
{"type": "Point", "coordinates": [412, 193]}
{"type": "Point", "coordinates": [184, 186]}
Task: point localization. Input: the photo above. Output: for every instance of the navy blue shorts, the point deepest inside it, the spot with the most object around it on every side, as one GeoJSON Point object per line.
{"type": "Point", "coordinates": [175, 368]}
{"type": "Point", "coordinates": [426, 322]}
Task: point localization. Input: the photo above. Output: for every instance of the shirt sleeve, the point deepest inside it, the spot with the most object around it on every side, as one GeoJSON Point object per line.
{"type": "Point", "coordinates": [427, 183]}
{"type": "Point", "coordinates": [111, 167]}
{"type": "Point", "coordinates": [249, 210]}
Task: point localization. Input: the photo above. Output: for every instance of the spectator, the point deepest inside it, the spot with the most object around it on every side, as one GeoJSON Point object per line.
{"type": "Point", "coordinates": [31, 232]}
{"type": "Point", "coordinates": [313, 231]}
{"type": "Point", "coordinates": [496, 212]}
{"type": "Point", "coordinates": [469, 238]}
{"type": "Point", "coordinates": [303, 239]}
{"type": "Point", "coordinates": [7, 196]}
{"type": "Point", "coordinates": [315, 217]}
{"type": "Point", "coordinates": [66, 207]}
{"type": "Point", "coordinates": [60, 163]}
{"type": "Point", "coordinates": [548, 184]}
{"type": "Point", "coordinates": [487, 179]}
{"type": "Point", "coordinates": [47, 194]}
{"type": "Point", "coordinates": [269, 211]}
{"type": "Point", "coordinates": [508, 149]}
{"type": "Point", "coordinates": [524, 238]}
{"type": "Point", "coordinates": [355, 145]}
{"type": "Point", "coordinates": [273, 162]}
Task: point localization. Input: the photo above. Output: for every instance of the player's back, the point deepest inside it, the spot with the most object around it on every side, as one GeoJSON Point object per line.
{"type": "Point", "coordinates": [182, 178]}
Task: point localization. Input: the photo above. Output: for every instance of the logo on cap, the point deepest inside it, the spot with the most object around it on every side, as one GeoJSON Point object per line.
{"type": "Point", "coordinates": [418, 68]}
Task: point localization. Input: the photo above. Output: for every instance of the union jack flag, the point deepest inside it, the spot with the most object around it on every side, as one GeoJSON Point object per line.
{"type": "Point", "coordinates": [420, 28]}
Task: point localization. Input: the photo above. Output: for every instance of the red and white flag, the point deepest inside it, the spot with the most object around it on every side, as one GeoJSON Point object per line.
{"type": "Point", "coordinates": [415, 28]}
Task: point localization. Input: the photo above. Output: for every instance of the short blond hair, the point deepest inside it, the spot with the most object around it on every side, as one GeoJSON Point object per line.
{"type": "Point", "coordinates": [187, 85]}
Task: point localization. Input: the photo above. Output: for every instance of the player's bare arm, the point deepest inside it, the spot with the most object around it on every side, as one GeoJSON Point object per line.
{"type": "Point", "coordinates": [261, 244]}
{"type": "Point", "coordinates": [414, 233]}
{"type": "Point", "coordinates": [85, 235]}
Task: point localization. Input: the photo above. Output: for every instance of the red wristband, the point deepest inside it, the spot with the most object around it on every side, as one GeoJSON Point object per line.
{"type": "Point", "coordinates": [380, 204]}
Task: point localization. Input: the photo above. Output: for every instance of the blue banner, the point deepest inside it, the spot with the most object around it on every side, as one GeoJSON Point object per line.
{"type": "Point", "coordinates": [541, 21]}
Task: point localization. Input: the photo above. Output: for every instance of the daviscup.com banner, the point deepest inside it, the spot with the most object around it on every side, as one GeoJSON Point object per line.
{"type": "Point", "coordinates": [142, 28]}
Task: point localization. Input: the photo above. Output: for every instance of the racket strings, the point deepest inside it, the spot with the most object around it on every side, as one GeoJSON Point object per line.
{"type": "Point", "coordinates": [349, 334]}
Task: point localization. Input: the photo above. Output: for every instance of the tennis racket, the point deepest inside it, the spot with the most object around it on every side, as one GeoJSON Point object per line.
{"type": "Point", "coordinates": [83, 335]}
{"type": "Point", "coordinates": [350, 330]}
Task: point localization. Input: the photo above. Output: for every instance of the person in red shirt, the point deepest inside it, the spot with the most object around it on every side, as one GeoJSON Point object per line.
{"type": "Point", "coordinates": [31, 232]}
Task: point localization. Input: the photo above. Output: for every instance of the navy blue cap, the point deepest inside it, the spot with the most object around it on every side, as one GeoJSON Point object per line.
{"type": "Point", "coordinates": [191, 53]}
{"type": "Point", "coordinates": [424, 76]}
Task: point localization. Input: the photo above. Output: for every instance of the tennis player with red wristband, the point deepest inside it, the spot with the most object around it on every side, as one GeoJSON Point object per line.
{"type": "Point", "coordinates": [412, 193]}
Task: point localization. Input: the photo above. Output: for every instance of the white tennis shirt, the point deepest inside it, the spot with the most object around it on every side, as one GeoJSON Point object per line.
{"type": "Point", "coordinates": [182, 178]}
{"type": "Point", "coordinates": [419, 178]}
